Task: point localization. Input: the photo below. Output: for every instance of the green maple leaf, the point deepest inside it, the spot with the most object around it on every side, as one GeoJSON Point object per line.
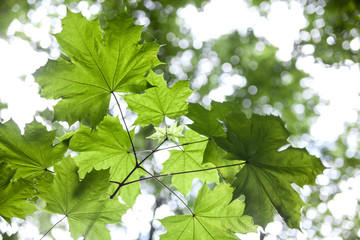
{"type": "Point", "coordinates": [214, 217]}
{"type": "Point", "coordinates": [107, 147]}
{"type": "Point", "coordinates": [14, 195]}
{"type": "Point", "coordinates": [32, 153]}
{"type": "Point", "coordinates": [172, 133]}
{"type": "Point", "coordinates": [79, 200]}
{"type": "Point", "coordinates": [160, 101]}
{"type": "Point", "coordinates": [97, 64]}
{"type": "Point", "coordinates": [189, 159]}
{"type": "Point", "coordinates": [266, 177]}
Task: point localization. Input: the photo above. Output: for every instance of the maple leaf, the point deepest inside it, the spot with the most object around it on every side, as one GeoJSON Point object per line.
{"type": "Point", "coordinates": [265, 178]}
{"type": "Point", "coordinates": [14, 195]}
{"type": "Point", "coordinates": [159, 101]}
{"type": "Point", "coordinates": [79, 200]}
{"type": "Point", "coordinates": [172, 133]}
{"type": "Point", "coordinates": [97, 64]}
{"type": "Point", "coordinates": [214, 217]}
{"type": "Point", "coordinates": [107, 147]}
{"type": "Point", "coordinates": [30, 154]}
{"type": "Point", "coordinates": [189, 159]}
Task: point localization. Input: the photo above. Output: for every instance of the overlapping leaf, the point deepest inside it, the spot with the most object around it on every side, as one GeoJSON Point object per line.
{"type": "Point", "coordinates": [189, 159]}
{"type": "Point", "coordinates": [266, 177]}
{"type": "Point", "coordinates": [214, 218]}
{"type": "Point", "coordinates": [14, 195]}
{"type": "Point", "coordinates": [107, 147]}
{"type": "Point", "coordinates": [159, 101]}
{"type": "Point", "coordinates": [97, 63]}
{"type": "Point", "coordinates": [79, 200]}
{"type": "Point", "coordinates": [32, 153]}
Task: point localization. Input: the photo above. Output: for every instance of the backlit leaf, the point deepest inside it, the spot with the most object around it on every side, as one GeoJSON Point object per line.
{"type": "Point", "coordinates": [14, 195]}
{"type": "Point", "coordinates": [159, 101]}
{"type": "Point", "coordinates": [214, 218]}
{"type": "Point", "coordinates": [97, 63]}
{"type": "Point", "coordinates": [107, 147]}
{"type": "Point", "coordinates": [79, 200]}
{"type": "Point", "coordinates": [189, 159]}
{"type": "Point", "coordinates": [32, 153]}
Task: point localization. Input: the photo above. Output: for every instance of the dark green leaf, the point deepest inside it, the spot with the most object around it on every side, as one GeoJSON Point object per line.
{"type": "Point", "coordinates": [14, 195]}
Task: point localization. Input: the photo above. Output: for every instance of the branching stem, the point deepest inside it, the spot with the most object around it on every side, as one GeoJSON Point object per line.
{"type": "Point", "coordinates": [127, 129]}
{"type": "Point", "coordinates": [137, 165]}
{"type": "Point", "coordinates": [178, 173]}
{"type": "Point", "coordinates": [174, 146]}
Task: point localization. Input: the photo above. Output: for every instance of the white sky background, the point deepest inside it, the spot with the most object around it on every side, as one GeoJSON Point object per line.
{"type": "Point", "coordinates": [340, 87]}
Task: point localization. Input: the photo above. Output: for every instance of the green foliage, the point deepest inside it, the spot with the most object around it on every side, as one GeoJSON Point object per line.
{"type": "Point", "coordinates": [14, 195]}
{"type": "Point", "coordinates": [214, 217]}
{"type": "Point", "coordinates": [79, 200]}
{"type": "Point", "coordinates": [267, 172]}
{"type": "Point", "coordinates": [96, 64]}
{"type": "Point", "coordinates": [189, 158]}
{"type": "Point", "coordinates": [159, 102]}
{"type": "Point", "coordinates": [31, 154]}
{"type": "Point", "coordinates": [107, 147]}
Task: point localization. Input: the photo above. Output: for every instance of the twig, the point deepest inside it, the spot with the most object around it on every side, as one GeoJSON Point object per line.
{"type": "Point", "coordinates": [178, 173]}
{"type": "Point", "coordinates": [127, 130]}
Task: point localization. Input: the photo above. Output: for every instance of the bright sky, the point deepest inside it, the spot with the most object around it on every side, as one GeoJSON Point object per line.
{"type": "Point", "coordinates": [340, 87]}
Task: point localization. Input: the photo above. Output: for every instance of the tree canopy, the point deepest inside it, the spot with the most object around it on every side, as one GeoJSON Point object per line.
{"type": "Point", "coordinates": [135, 91]}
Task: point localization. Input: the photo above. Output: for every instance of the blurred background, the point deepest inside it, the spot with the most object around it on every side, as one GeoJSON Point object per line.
{"type": "Point", "coordinates": [298, 59]}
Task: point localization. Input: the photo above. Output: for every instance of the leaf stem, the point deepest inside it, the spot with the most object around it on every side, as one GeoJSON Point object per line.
{"type": "Point", "coordinates": [137, 165]}
{"type": "Point", "coordinates": [154, 150]}
{"type": "Point", "coordinates": [53, 227]}
{"type": "Point", "coordinates": [175, 146]}
{"type": "Point", "coordinates": [178, 173]}
{"type": "Point", "coordinates": [127, 129]}
{"type": "Point", "coordinates": [168, 188]}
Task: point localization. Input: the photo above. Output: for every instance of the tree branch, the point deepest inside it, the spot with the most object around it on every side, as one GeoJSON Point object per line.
{"type": "Point", "coordinates": [154, 150]}
{"type": "Point", "coordinates": [178, 173]}
{"type": "Point", "coordinates": [127, 130]}
{"type": "Point", "coordinates": [175, 146]}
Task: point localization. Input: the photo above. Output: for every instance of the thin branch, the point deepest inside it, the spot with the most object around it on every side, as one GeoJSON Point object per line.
{"type": "Point", "coordinates": [122, 183]}
{"type": "Point", "coordinates": [169, 190]}
{"type": "Point", "coordinates": [53, 227]}
{"type": "Point", "coordinates": [127, 129]}
{"type": "Point", "coordinates": [154, 150]}
{"type": "Point", "coordinates": [178, 173]}
{"type": "Point", "coordinates": [174, 146]}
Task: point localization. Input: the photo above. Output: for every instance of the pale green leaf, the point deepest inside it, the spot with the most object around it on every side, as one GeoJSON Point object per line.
{"type": "Point", "coordinates": [97, 63]}
{"type": "Point", "coordinates": [214, 218]}
{"type": "Point", "coordinates": [107, 147]}
{"type": "Point", "coordinates": [159, 101]}
{"type": "Point", "coordinates": [79, 200]}
{"type": "Point", "coordinates": [189, 159]}
{"type": "Point", "coordinates": [32, 153]}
